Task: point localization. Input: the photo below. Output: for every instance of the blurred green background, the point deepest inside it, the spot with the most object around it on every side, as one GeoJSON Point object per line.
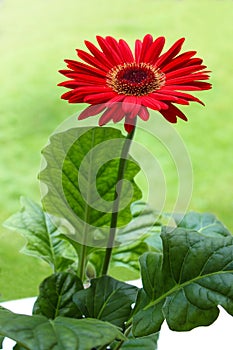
{"type": "Point", "coordinates": [35, 37]}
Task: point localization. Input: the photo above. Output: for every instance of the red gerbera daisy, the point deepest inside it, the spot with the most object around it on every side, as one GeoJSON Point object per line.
{"type": "Point", "coordinates": [145, 79]}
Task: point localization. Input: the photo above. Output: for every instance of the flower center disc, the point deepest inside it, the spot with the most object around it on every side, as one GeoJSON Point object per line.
{"type": "Point", "coordinates": [133, 75]}
{"type": "Point", "coordinates": [135, 79]}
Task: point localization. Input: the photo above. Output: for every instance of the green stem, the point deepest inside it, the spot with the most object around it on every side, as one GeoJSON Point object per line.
{"type": "Point", "coordinates": [82, 263]}
{"type": "Point", "coordinates": [127, 331]}
{"type": "Point", "coordinates": [118, 345]}
{"type": "Point", "coordinates": [118, 188]}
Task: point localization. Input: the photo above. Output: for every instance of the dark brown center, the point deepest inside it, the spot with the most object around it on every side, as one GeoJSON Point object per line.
{"type": "Point", "coordinates": [135, 79]}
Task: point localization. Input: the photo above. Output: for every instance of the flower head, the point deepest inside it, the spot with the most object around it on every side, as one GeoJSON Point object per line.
{"type": "Point", "coordinates": [121, 84]}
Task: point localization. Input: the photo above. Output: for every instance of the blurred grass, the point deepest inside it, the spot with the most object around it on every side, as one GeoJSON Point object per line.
{"type": "Point", "coordinates": [35, 37]}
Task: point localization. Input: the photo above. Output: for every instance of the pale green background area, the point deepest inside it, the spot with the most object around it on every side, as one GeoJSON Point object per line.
{"type": "Point", "coordinates": [35, 37]}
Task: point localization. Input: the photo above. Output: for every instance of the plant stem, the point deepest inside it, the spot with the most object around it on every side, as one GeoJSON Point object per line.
{"type": "Point", "coordinates": [127, 331]}
{"type": "Point", "coordinates": [83, 251]}
{"type": "Point", "coordinates": [82, 263]}
{"type": "Point", "coordinates": [118, 188]}
{"type": "Point", "coordinates": [118, 345]}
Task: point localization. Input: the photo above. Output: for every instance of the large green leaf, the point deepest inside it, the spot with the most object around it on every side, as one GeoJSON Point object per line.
{"type": "Point", "coordinates": [107, 299]}
{"type": "Point", "coordinates": [187, 283]}
{"type": "Point", "coordinates": [42, 236]}
{"type": "Point", "coordinates": [56, 296]}
{"type": "Point", "coordinates": [143, 343]}
{"type": "Point", "coordinates": [81, 177]}
{"type": "Point", "coordinates": [205, 223]}
{"type": "Point", "coordinates": [63, 333]}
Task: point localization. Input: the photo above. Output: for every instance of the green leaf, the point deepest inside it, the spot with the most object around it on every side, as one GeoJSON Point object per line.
{"type": "Point", "coordinates": [206, 224]}
{"type": "Point", "coordinates": [148, 320]}
{"type": "Point", "coordinates": [84, 162]}
{"type": "Point", "coordinates": [18, 347]}
{"type": "Point", "coordinates": [42, 236]}
{"type": "Point", "coordinates": [1, 340]}
{"type": "Point", "coordinates": [145, 343]}
{"type": "Point", "coordinates": [151, 277]}
{"type": "Point", "coordinates": [186, 285]}
{"type": "Point", "coordinates": [63, 333]}
{"type": "Point", "coordinates": [128, 256]}
{"type": "Point", "coordinates": [107, 299]}
{"type": "Point", "coordinates": [56, 294]}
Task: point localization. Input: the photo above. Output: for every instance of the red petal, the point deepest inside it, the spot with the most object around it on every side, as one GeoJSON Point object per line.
{"type": "Point", "coordinates": [92, 89]}
{"type": "Point", "coordinates": [143, 113]}
{"type": "Point", "coordinates": [180, 60]}
{"type": "Point", "coordinates": [130, 105]}
{"type": "Point", "coordinates": [133, 114]}
{"type": "Point", "coordinates": [70, 84]}
{"type": "Point", "coordinates": [91, 60]}
{"type": "Point", "coordinates": [106, 116]}
{"type": "Point", "coordinates": [85, 78]}
{"type": "Point", "coordinates": [172, 113]}
{"type": "Point", "coordinates": [185, 71]}
{"type": "Point", "coordinates": [115, 99]}
{"type": "Point", "coordinates": [98, 54]}
{"type": "Point", "coordinates": [146, 44]}
{"type": "Point", "coordinates": [155, 50]}
{"type": "Point", "coordinates": [84, 68]}
{"type": "Point", "coordinates": [75, 95]}
{"type": "Point", "coordinates": [194, 61]}
{"type": "Point", "coordinates": [76, 98]}
{"type": "Point", "coordinates": [198, 85]}
{"type": "Point", "coordinates": [65, 72]}
{"type": "Point", "coordinates": [180, 94]}
{"type": "Point", "coordinates": [154, 104]}
{"type": "Point", "coordinates": [91, 111]}
{"type": "Point", "coordinates": [138, 49]}
{"type": "Point", "coordinates": [172, 52]}
{"type": "Point", "coordinates": [168, 97]}
{"type": "Point", "coordinates": [115, 46]}
{"type": "Point", "coordinates": [67, 95]}
{"type": "Point", "coordinates": [99, 98]}
{"type": "Point", "coordinates": [194, 86]}
{"type": "Point", "coordinates": [187, 79]}
{"type": "Point", "coordinates": [90, 79]}
{"type": "Point", "coordinates": [109, 50]}
{"type": "Point", "coordinates": [126, 51]}
{"type": "Point", "coordinates": [118, 113]}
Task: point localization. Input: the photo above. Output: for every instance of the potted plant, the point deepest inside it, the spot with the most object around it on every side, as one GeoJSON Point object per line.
{"type": "Point", "coordinates": [93, 220]}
